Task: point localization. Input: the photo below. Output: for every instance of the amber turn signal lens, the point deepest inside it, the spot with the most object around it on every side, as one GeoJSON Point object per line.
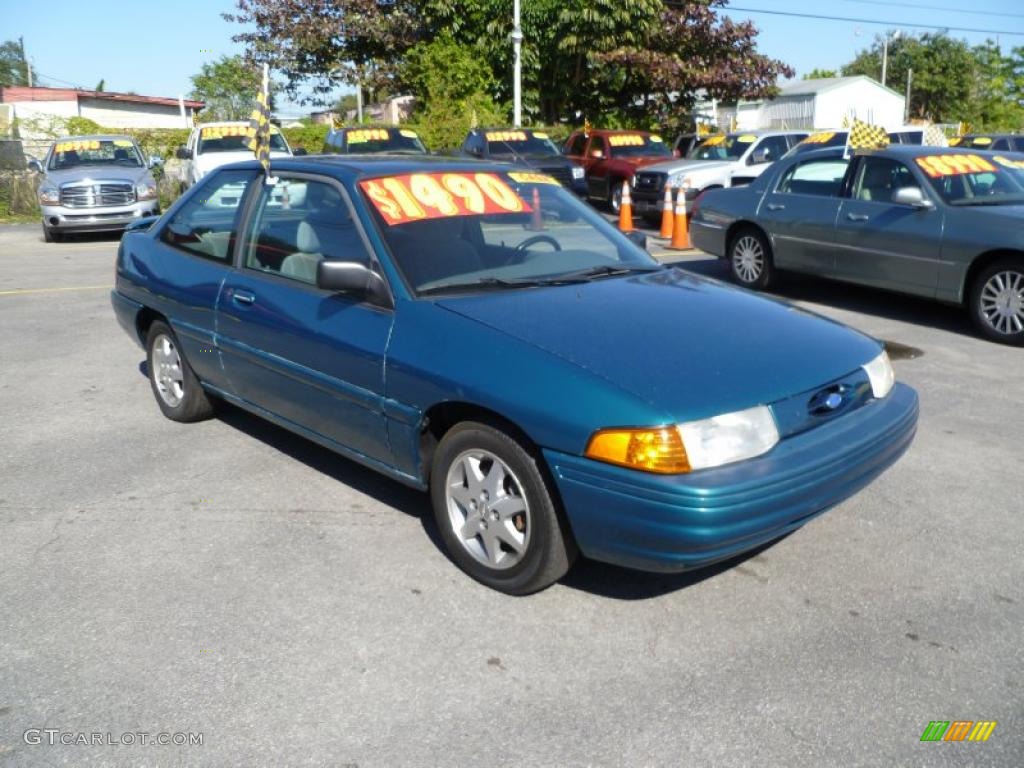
{"type": "Point", "coordinates": [650, 450]}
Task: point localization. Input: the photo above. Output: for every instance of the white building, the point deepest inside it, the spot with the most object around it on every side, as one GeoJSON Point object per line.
{"type": "Point", "coordinates": [108, 109]}
{"type": "Point", "coordinates": [820, 103]}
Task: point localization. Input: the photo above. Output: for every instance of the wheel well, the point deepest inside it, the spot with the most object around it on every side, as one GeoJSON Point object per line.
{"type": "Point", "coordinates": [144, 320]}
{"type": "Point", "coordinates": [738, 227]}
{"type": "Point", "coordinates": [441, 417]}
{"type": "Point", "coordinates": [979, 264]}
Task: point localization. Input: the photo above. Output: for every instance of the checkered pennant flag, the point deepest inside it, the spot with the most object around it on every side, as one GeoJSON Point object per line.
{"type": "Point", "coordinates": [934, 137]}
{"type": "Point", "coordinates": [259, 124]}
{"type": "Point", "coordinates": [866, 136]}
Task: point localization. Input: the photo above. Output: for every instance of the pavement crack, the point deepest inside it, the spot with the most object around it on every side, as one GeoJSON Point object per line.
{"type": "Point", "coordinates": [54, 537]}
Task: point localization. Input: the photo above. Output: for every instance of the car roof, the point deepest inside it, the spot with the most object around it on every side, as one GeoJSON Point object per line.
{"type": "Point", "coordinates": [372, 165]}
{"type": "Point", "coordinates": [613, 131]}
{"type": "Point", "coordinates": [503, 128]}
{"type": "Point", "coordinates": [96, 137]}
{"type": "Point", "coordinates": [371, 126]}
{"type": "Point", "coordinates": [907, 151]}
{"type": "Point", "coordinates": [220, 123]}
{"type": "Point", "coordinates": [760, 133]}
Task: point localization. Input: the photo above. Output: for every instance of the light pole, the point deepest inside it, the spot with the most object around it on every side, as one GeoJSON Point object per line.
{"type": "Point", "coordinates": [517, 67]}
{"type": "Point", "coordinates": [885, 52]}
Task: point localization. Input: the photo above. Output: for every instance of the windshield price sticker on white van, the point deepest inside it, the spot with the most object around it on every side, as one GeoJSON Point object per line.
{"type": "Point", "coordinates": [420, 196]}
{"type": "Point", "coordinates": [223, 131]}
{"type": "Point", "coordinates": [937, 166]}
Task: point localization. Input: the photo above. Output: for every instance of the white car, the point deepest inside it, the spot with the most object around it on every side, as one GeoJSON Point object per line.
{"type": "Point", "coordinates": [723, 160]}
{"type": "Point", "coordinates": [211, 145]}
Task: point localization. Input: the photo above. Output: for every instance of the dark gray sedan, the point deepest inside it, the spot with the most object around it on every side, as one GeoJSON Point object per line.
{"type": "Point", "coordinates": [938, 222]}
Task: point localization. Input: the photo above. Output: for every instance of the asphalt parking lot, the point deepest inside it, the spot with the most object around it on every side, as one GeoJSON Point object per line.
{"type": "Point", "coordinates": [231, 580]}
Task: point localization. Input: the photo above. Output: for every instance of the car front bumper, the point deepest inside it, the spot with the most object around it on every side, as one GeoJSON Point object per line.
{"type": "Point", "coordinates": [678, 522]}
{"type": "Point", "coordinates": [59, 218]}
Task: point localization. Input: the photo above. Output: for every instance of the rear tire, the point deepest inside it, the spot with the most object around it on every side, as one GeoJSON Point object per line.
{"type": "Point", "coordinates": [495, 511]}
{"type": "Point", "coordinates": [750, 259]}
{"type": "Point", "coordinates": [50, 236]}
{"type": "Point", "coordinates": [996, 301]}
{"type": "Point", "coordinates": [175, 387]}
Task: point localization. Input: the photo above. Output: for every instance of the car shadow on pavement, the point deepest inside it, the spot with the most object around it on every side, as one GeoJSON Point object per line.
{"type": "Point", "coordinates": [852, 298]}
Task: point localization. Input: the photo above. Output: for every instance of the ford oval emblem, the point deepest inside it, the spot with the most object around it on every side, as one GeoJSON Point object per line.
{"type": "Point", "coordinates": [833, 401]}
{"type": "Point", "coordinates": [827, 401]}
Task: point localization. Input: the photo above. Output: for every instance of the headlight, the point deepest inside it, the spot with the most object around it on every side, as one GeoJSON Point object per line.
{"type": "Point", "coordinates": [680, 180]}
{"type": "Point", "coordinates": [49, 195]}
{"type": "Point", "coordinates": [881, 374]}
{"type": "Point", "coordinates": [577, 172]}
{"type": "Point", "coordinates": [693, 445]}
{"type": "Point", "coordinates": [145, 191]}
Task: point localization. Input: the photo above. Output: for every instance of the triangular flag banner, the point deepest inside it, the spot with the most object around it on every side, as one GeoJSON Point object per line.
{"type": "Point", "coordinates": [866, 136]}
{"type": "Point", "coordinates": [259, 125]}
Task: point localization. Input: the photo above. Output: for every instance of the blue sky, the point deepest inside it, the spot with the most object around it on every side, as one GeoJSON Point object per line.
{"type": "Point", "coordinates": [154, 49]}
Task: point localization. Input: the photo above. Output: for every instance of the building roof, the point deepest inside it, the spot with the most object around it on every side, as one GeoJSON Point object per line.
{"type": "Point", "coordinates": [14, 93]}
{"type": "Point", "coordinates": [820, 84]}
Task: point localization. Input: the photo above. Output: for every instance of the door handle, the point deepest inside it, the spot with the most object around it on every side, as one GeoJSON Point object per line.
{"type": "Point", "coordinates": [243, 297]}
{"type": "Point", "coordinates": [856, 217]}
{"type": "Point", "coordinates": [775, 207]}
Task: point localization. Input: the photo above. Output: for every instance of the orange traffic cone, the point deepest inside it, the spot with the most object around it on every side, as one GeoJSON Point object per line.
{"type": "Point", "coordinates": [666, 213]}
{"type": "Point", "coordinates": [681, 227]}
{"type": "Point", "coordinates": [536, 222]}
{"type": "Point", "coordinates": [626, 210]}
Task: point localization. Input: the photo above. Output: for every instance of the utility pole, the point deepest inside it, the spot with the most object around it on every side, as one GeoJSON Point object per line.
{"type": "Point", "coordinates": [906, 107]}
{"type": "Point", "coordinates": [28, 67]}
{"type": "Point", "coordinates": [517, 67]}
{"type": "Point", "coordinates": [885, 52]}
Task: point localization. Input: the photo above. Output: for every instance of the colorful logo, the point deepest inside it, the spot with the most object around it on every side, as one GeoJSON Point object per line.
{"type": "Point", "coordinates": [958, 730]}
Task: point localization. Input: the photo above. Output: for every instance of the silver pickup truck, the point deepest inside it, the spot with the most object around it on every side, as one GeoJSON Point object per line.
{"type": "Point", "coordinates": [95, 184]}
{"type": "Point", "coordinates": [728, 160]}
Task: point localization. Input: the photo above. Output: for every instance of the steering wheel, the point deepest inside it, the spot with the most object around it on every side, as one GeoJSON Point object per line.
{"type": "Point", "coordinates": [525, 245]}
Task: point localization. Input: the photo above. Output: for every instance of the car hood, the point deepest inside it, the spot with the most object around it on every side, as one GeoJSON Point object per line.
{"type": "Point", "coordinates": [689, 345]}
{"type": "Point", "coordinates": [640, 162]}
{"type": "Point", "coordinates": [692, 166]}
{"type": "Point", "coordinates": [106, 172]}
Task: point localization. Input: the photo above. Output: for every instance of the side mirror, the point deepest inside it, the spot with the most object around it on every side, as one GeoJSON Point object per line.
{"type": "Point", "coordinates": [912, 197]}
{"type": "Point", "coordinates": [299, 152]}
{"type": "Point", "coordinates": [351, 277]}
{"type": "Point", "coordinates": [597, 154]}
{"type": "Point", "coordinates": [35, 165]}
{"type": "Point", "coordinates": [637, 238]}
{"type": "Point", "coordinates": [183, 153]}
{"type": "Point", "coordinates": [155, 160]}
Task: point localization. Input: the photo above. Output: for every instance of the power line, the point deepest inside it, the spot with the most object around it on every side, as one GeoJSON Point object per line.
{"type": "Point", "coordinates": [950, 9]}
{"type": "Point", "coordinates": [729, 8]}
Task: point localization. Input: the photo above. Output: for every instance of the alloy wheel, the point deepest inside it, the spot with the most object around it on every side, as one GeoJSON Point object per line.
{"type": "Point", "coordinates": [1002, 302]}
{"type": "Point", "coordinates": [748, 258]}
{"type": "Point", "coordinates": [167, 373]}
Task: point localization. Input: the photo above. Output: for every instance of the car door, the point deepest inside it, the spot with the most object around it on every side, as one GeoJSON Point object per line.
{"type": "Point", "coordinates": [884, 244]}
{"type": "Point", "coordinates": [309, 356]}
{"type": "Point", "coordinates": [799, 213]}
{"type": "Point", "coordinates": [194, 258]}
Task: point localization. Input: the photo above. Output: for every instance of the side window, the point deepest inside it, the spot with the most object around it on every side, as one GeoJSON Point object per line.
{"type": "Point", "coordinates": [822, 178]}
{"type": "Point", "coordinates": [878, 177]}
{"type": "Point", "coordinates": [1001, 144]}
{"type": "Point", "coordinates": [770, 149]}
{"type": "Point", "coordinates": [578, 144]}
{"type": "Point", "coordinates": [207, 224]}
{"type": "Point", "coordinates": [298, 223]}
{"type": "Point", "coordinates": [1018, 143]}
{"type": "Point", "coordinates": [597, 144]}
{"type": "Point", "coordinates": [796, 138]}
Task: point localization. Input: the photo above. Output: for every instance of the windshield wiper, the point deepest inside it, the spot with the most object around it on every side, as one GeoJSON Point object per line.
{"type": "Point", "coordinates": [985, 202]}
{"type": "Point", "coordinates": [607, 270]}
{"type": "Point", "coordinates": [486, 283]}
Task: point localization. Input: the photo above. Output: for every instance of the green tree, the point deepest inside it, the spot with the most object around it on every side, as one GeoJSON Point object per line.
{"type": "Point", "coordinates": [13, 68]}
{"type": "Point", "coordinates": [228, 86]}
{"type": "Point", "coordinates": [100, 86]}
{"type": "Point", "coordinates": [997, 88]}
{"type": "Point", "coordinates": [944, 73]}
{"type": "Point", "coordinates": [819, 74]}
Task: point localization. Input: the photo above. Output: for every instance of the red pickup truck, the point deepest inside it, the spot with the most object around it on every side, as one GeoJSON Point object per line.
{"type": "Point", "coordinates": [612, 157]}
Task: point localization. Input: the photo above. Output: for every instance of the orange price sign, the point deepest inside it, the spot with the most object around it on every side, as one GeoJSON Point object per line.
{"type": "Point", "coordinates": [626, 140]}
{"type": "Point", "coordinates": [937, 166]}
{"type": "Point", "coordinates": [818, 138]}
{"type": "Point", "coordinates": [532, 178]}
{"type": "Point", "coordinates": [420, 196]}
{"type": "Point", "coordinates": [506, 136]}
{"type": "Point", "coordinates": [1008, 163]}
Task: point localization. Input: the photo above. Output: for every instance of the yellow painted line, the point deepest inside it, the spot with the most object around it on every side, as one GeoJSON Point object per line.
{"type": "Point", "coordinates": [21, 291]}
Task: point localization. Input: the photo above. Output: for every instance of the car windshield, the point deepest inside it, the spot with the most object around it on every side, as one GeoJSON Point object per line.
{"type": "Point", "coordinates": [233, 138]}
{"type": "Point", "coordinates": [638, 145]}
{"type": "Point", "coordinates": [72, 153]}
{"type": "Point", "coordinates": [731, 147]}
{"type": "Point", "coordinates": [519, 143]}
{"type": "Point", "coordinates": [452, 232]}
{"type": "Point", "coordinates": [819, 140]}
{"type": "Point", "coordinates": [972, 180]}
{"type": "Point", "coordinates": [394, 141]}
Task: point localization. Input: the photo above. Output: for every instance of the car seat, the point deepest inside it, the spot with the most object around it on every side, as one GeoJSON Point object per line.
{"type": "Point", "coordinates": [876, 183]}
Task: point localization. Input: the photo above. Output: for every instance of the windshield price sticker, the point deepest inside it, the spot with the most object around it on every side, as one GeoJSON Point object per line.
{"type": "Point", "coordinates": [76, 146]}
{"type": "Point", "coordinates": [818, 138]}
{"type": "Point", "coordinates": [938, 166]}
{"type": "Point", "coordinates": [408, 134]}
{"type": "Point", "coordinates": [532, 178]}
{"type": "Point", "coordinates": [747, 138]}
{"type": "Point", "coordinates": [506, 136]}
{"type": "Point", "coordinates": [713, 141]}
{"type": "Point", "coordinates": [1008, 163]}
{"type": "Point", "coordinates": [224, 131]}
{"type": "Point", "coordinates": [981, 141]}
{"type": "Point", "coordinates": [657, 139]}
{"type": "Point", "coordinates": [538, 135]}
{"type": "Point", "coordinates": [366, 134]}
{"type": "Point", "coordinates": [122, 142]}
{"type": "Point", "coordinates": [626, 140]}
{"type": "Point", "coordinates": [420, 196]}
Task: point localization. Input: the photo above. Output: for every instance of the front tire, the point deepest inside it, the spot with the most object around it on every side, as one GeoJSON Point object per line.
{"type": "Point", "coordinates": [615, 196]}
{"type": "Point", "coordinates": [175, 387]}
{"type": "Point", "coordinates": [495, 511]}
{"type": "Point", "coordinates": [750, 260]}
{"type": "Point", "coordinates": [996, 301]}
{"type": "Point", "coordinates": [50, 236]}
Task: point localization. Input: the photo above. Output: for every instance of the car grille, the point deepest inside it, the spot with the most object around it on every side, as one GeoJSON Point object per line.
{"type": "Point", "coordinates": [650, 181]}
{"type": "Point", "coordinates": [96, 194]}
{"type": "Point", "coordinates": [560, 173]}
